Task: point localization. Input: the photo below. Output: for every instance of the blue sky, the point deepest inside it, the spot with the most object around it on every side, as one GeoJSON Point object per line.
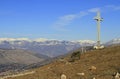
{"type": "Point", "coordinates": [59, 19]}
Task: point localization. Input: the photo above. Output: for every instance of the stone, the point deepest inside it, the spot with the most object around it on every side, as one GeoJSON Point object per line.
{"type": "Point", "coordinates": [81, 74]}
{"type": "Point", "coordinates": [63, 76]}
{"type": "Point", "coordinates": [117, 76]}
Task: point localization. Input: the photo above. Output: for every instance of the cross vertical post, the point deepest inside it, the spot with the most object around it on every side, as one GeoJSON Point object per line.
{"type": "Point", "coordinates": [98, 19]}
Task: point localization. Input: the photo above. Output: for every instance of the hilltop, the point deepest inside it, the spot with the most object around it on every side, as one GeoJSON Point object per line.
{"type": "Point", "coordinates": [106, 62]}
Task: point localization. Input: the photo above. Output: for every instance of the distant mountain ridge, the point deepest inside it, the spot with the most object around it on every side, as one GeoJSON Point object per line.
{"type": "Point", "coordinates": [43, 41]}
{"type": "Point", "coordinates": [48, 47]}
{"type": "Point", "coordinates": [12, 59]}
{"type": "Point", "coordinates": [113, 42]}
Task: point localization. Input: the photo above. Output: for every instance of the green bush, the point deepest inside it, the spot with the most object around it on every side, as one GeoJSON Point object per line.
{"type": "Point", "coordinates": [75, 56]}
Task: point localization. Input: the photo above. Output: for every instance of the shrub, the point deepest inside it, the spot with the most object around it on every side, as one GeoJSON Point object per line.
{"type": "Point", "coordinates": [75, 56]}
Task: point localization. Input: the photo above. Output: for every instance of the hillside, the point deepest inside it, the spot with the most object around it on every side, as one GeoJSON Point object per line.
{"type": "Point", "coordinates": [16, 59]}
{"type": "Point", "coordinates": [105, 61]}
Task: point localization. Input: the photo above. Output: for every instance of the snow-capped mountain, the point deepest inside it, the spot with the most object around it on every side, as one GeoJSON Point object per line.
{"type": "Point", "coordinates": [114, 41]}
{"type": "Point", "coordinates": [49, 47]}
{"type": "Point", "coordinates": [42, 41]}
{"type": "Point", "coordinates": [85, 42]}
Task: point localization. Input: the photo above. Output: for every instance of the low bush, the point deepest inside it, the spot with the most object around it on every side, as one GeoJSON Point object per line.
{"type": "Point", "coordinates": [75, 56]}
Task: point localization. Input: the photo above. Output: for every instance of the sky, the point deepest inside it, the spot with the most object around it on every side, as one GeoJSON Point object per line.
{"type": "Point", "coordinates": [59, 19]}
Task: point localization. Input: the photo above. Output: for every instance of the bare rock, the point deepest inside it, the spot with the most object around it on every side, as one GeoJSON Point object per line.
{"type": "Point", "coordinates": [81, 74]}
{"type": "Point", "coordinates": [63, 76]}
{"type": "Point", "coordinates": [92, 68]}
{"type": "Point", "coordinates": [117, 76]}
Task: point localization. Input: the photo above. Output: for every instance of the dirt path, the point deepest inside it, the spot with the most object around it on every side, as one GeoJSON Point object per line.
{"type": "Point", "coordinates": [16, 75]}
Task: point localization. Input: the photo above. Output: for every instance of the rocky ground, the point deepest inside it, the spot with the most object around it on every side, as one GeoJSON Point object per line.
{"type": "Point", "coordinates": [94, 64]}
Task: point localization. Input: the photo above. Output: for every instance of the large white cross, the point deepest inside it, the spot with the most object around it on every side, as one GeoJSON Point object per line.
{"type": "Point", "coordinates": [98, 19]}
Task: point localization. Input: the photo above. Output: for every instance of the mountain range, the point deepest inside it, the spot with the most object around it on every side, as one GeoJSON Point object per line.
{"type": "Point", "coordinates": [50, 48]}
{"type": "Point", "coordinates": [23, 53]}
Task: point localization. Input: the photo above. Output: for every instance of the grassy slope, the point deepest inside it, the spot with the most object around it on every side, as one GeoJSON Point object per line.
{"type": "Point", "coordinates": [18, 56]}
{"type": "Point", "coordinates": [107, 61]}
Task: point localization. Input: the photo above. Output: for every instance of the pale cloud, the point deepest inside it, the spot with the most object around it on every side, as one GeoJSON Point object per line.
{"type": "Point", "coordinates": [82, 13]}
{"type": "Point", "coordinates": [68, 17]}
{"type": "Point", "coordinates": [65, 20]}
{"type": "Point", "coordinates": [94, 10]}
{"type": "Point", "coordinates": [113, 7]}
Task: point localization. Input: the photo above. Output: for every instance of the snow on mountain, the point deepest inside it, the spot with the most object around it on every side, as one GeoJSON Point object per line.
{"type": "Point", "coordinates": [14, 39]}
{"type": "Point", "coordinates": [43, 41]}
{"type": "Point", "coordinates": [85, 42]}
{"type": "Point", "coordinates": [48, 47]}
{"type": "Point", "coordinates": [114, 41]}
{"type": "Point", "coordinates": [40, 40]}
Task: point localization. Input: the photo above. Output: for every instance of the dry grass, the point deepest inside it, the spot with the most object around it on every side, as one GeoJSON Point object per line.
{"type": "Point", "coordinates": [106, 61]}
